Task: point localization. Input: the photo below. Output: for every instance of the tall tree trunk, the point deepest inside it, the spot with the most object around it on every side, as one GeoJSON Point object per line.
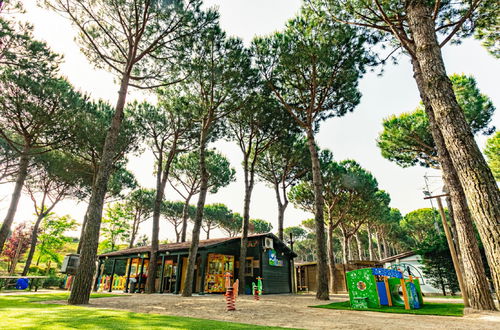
{"type": "Point", "coordinates": [331, 257]}
{"type": "Point", "coordinates": [84, 225]}
{"type": "Point", "coordinates": [384, 247]}
{"type": "Point", "coordinates": [193, 249]}
{"type": "Point", "coordinates": [281, 211]}
{"type": "Point", "coordinates": [476, 178]}
{"type": "Point", "coordinates": [475, 278]}
{"type": "Point", "coordinates": [349, 248]}
{"type": "Point", "coordinates": [208, 230]}
{"type": "Point", "coordinates": [34, 238]}
{"type": "Point", "coordinates": [379, 246]}
{"type": "Point", "coordinates": [185, 217]}
{"type": "Point", "coordinates": [359, 246]}
{"type": "Point", "coordinates": [321, 274]}
{"type": "Point", "coordinates": [249, 183]}
{"type": "Point", "coordinates": [82, 284]}
{"type": "Point", "coordinates": [345, 249]}
{"type": "Point", "coordinates": [370, 243]}
{"type": "Point", "coordinates": [16, 195]}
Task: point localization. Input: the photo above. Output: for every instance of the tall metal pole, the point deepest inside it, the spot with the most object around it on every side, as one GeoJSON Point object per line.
{"type": "Point", "coordinates": [453, 251]}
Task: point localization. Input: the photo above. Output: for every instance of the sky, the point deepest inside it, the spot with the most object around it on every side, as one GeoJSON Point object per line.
{"type": "Point", "coordinates": [350, 137]}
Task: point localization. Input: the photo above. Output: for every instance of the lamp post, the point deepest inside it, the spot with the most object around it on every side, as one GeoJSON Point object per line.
{"type": "Point", "coordinates": [292, 262]}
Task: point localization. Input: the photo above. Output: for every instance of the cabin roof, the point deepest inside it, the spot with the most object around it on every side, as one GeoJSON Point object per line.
{"type": "Point", "coordinates": [171, 247]}
{"type": "Point", "coordinates": [398, 256]}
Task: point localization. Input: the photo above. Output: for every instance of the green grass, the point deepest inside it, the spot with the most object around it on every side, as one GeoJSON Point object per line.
{"type": "Point", "coordinates": [24, 312]}
{"type": "Point", "coordinates": [442, 309]}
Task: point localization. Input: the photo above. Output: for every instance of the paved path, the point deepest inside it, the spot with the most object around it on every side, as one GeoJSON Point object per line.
{"type": "Point", "coordinates": [292, 311]}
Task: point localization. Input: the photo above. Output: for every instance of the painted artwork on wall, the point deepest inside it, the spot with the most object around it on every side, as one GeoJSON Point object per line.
{"type": "Point", "coordinates": [273, 259]}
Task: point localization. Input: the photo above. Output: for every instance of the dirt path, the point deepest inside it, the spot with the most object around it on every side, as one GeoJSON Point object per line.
{"type": "Point", "coordinates": [291, 311]}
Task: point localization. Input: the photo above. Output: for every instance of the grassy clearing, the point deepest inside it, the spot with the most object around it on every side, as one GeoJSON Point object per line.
{"type": "Point", "coordinates": [23, 312]}
{"type": "Point", "coordinates": [442, 309]}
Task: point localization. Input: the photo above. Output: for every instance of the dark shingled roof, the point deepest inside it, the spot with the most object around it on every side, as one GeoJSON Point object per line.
{"type": "Point", "coordinates": [184, 245]}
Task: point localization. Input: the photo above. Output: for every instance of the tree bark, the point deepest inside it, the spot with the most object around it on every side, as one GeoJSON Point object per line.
{"type": "Point", "coordinates": [185, 216]}
{"type": "Point", "coordinates": [281, 211]}
{"type": "Point", "coordinates": [331, 257]}
{"type": "Point", "coordinates": [193, 249]}
{"type": "Point", "coordinates": [359, 246]}
{"type": "Point", "coordinates": [379, 247]}
{"type": "Point", "coordinates": [321, 274]}
{"type": "Point", "coordinates": [370, 242]}
{"type": "Point", "coordinates": [34, 238]}
{"type": "Point", "coordinates": [480, 188]}
{"type": "Point", "coordinates": [16, 195]}
{"type": "Point", "coordinates": [473, 269]}
{"type": "Point", "coordinates": [384, 247]}
{"type": "Point", "coordinates": [84, 224]}
{"type": "Point", "coordinates": [82, 284]}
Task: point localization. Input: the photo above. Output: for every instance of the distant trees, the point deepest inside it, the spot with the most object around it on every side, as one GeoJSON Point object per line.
{"type": "Point", "coordinates": [259, 226]}
{"type": "Point", "coordinates": [173, 212]}
{"type": "Point", "coordinates": [492, 151]}
{"type": "Point", "coordinates": [116, 226]}
{"type": "Point", "coordinates": [281, 166]}
{"type": "Point", "coordinates": [52, 237]}
{"type": "Point", "coordinates": [438, 267]}
{"type": "Point", "coordinates": [140, 204]}
{"type": "Point", "coordinates": [16, 245]}
{"type": "Point", "coordinates": [57, 175]}
{"type": "Point", "coordinates": [186, 178]}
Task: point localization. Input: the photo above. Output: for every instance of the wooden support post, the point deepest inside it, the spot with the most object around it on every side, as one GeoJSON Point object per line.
{"type": "Point", "coordinates": [139, 281]}
{"type": "Point", "coordinates": [162, 273]}
{"type": "Point", "coordinates": [112, 276]}
{"type": "Point", "coordinates": [203, 267]}
{"type": "Point", "coordinates": [389, 297]}
{"type": "Point", "coordinates": [453, 253]}
{"type": "Point", "coordinates": [127, 282]}
{"type": "Point", "coordinates": [405, 293]}
{"type": "Point", "coordinates": [178, 274]}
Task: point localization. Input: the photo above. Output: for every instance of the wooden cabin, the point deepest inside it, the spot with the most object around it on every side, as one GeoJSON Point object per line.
{"type": "Point", "coordinates": [305, 273]}
{"type": "Point", "coordinates": [267, 257]}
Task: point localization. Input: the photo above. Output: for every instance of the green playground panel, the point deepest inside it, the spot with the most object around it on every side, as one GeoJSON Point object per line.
{"type": "Point", "coordinates": [362, 289]}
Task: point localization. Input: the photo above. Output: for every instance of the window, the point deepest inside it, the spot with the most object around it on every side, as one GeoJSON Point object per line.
{"type": "Point", "coordinates": [249, 266]}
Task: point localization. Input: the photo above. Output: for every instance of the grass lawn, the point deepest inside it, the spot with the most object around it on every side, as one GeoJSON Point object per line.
{"type": "Point", "coordinates": [23, 311]}
{"type": "Point", "coordinates": [442, 309]}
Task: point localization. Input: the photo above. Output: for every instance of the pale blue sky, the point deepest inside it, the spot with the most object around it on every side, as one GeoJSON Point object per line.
{"type": "Point", "coordinates": [352, 136]}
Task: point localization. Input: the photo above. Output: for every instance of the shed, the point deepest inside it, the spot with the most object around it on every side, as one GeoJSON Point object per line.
{"type": "Point", "coordinates": [267, 257]}
{"type": "Point", "coordinates": [306, 274]}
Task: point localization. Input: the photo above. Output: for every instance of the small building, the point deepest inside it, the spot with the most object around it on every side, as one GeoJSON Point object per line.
{"type": "Point", "coordinates": [414, 261]}
{"type": "Point", "coordinates": [267, 257]}
{"type": "Point", "coordinates": [305, 274]}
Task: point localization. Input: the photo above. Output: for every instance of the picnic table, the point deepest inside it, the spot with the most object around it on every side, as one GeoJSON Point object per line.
{"type": "Point", "coordinates": [33, 280]}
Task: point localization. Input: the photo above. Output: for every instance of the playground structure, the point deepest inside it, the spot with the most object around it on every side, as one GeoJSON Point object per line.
{"type": "Point", "coordinates": [231, 292]}
{"type": "Point", "coordinates": [377, 287]}
{"type": "Point", "coordinates": [257, 288]}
